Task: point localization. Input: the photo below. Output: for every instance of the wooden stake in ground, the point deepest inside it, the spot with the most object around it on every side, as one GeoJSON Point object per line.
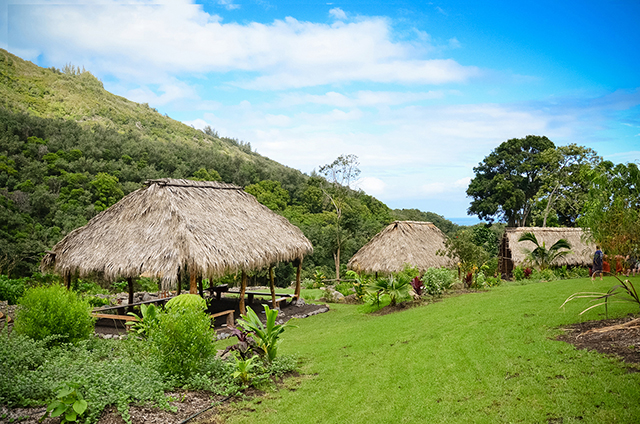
{"type": "Point", "coordinates": [130, 284]}
{"type": "Point", "coordinates": [272, 286]}
{"type": "Point", "coordinates": [243, 288]}
{"type": "Point", "coordinates": [298, 262]}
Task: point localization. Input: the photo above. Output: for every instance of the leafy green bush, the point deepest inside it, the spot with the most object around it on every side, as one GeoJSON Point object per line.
{"type": "Point", "coordinates": [546, 275]}
{"type": "Point", "coordinates": [345, 288]}
{"type": "Point", "coordinates": [54, 311]}
{"type": "Point", "coordinates": [437, 280]}
{"type": "Point", "coordinates": [183, 338]}
{"type": "Point", "coordinates": [96, 301]}
{"type": "Point", "coordinates": [187, 301]}
{"type": "Point", "coordinates": [518, 273]}
{"type": "Point", "coordinates": [107, 372]}
{"type": "Point", "coordinates": [11, 289]}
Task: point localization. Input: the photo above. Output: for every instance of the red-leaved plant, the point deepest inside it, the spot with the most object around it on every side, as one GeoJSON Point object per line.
{"type": "Point", "coordinates": [468, 279]}
{"type": "Point", "coordinates": [417, 285]}
{"type": "Point", "coordinates": [527, 272]}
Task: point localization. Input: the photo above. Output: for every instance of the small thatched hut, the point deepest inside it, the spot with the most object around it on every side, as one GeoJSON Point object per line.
{"type": "Point", "coordinates": [403, 242]}
{"type": "Point", "coordinates": [178, 227]}
{"type": "Point", "coordinates": [511, 252]}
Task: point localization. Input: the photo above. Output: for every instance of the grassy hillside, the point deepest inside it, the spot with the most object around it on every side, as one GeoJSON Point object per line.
{"type": "Point", "coordinates": [486, 357]}
{"type": "Point", "coordinates": [69, 149]}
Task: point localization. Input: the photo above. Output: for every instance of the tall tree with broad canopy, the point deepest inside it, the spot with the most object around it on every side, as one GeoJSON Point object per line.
{"type": "Point", "coordinates": [565, 185]}
{"type": "Point", "coordinates": [612, 212]}
{"type": "Point", "coordinates": [507, 181]}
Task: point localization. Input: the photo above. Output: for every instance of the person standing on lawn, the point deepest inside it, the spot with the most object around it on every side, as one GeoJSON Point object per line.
{"type": "Point", "coordinates": [598, 259]}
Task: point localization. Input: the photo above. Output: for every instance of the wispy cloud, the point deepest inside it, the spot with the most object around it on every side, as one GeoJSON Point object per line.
{"type": "Point", "coordinates": [138, 38]}
{"type": "Point", "coordinates": [338, 13]}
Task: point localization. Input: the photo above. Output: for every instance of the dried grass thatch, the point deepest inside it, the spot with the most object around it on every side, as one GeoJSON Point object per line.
{"type": "Point", "coordinates": [513, 250]}
{"type": "Point", "coordinates": [403, 242]}
{"type": "Point", "coordinates": [209, 228]}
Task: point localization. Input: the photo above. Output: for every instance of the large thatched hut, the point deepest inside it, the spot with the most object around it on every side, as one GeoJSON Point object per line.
{"type": "Point", "coordinates": [400, 243]}
{"type": "Point", "coordinates": [179, 227]}
{"type": "Point", "coordinates": [512, 252]}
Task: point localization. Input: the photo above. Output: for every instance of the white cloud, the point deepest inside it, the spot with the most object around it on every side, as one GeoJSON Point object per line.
{"type": "Point", "coordinates": [139, 39]}
{"type": "Point", "coordinates": [338, 13]}
{"type": "Point", "coordinates": [371, 185]}
{"type": "Point", "coordinates": [364, 98]}
{"type": "Point", "coordinates": [228, 4]}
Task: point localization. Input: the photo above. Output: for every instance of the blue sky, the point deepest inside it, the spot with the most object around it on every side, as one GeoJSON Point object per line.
{"type": "Point", "coordinates": [420, 92]}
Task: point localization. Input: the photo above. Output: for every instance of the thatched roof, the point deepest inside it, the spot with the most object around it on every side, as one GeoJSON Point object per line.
{"type": "Point", "coordinates": [403, 242]}
{"type": "Point", "coordinates": [582, 249]}
{"type": "Point", "coordinates": [210, 227]}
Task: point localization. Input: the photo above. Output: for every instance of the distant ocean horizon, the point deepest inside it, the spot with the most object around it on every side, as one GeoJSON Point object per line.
{"type": "Point", "coordinates": [465, 220]}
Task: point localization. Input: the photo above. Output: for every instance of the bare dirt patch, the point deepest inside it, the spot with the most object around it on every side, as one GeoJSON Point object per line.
{"type": "Point", "coordinates": [621, 338]}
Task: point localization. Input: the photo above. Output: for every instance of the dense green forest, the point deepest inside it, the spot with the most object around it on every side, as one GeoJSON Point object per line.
{"type": "Point", "coordinates": [69, 149]}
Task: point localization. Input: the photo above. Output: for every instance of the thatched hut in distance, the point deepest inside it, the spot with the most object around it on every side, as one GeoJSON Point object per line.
{"type": "Point", "coordinates": [511, 253]}
{"type": "Point", "coordinates": [403, 242]}
{"type": "Point", "coordinates": [179, 227]}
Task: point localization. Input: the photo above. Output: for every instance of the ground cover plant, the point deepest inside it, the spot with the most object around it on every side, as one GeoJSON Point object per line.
{"type": "Point", "coordinates": [483, 357]}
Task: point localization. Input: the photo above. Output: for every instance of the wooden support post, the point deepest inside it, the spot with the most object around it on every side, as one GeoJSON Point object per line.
{"type": "Point", "coordinates": [298, 271]}
{"type": "Point", "coordinates": [243, 288]}
{"type": "Point", "coordinates": [193, 286]}
{"type": "Point", "coordinates": [200, 288]}
{"type": "Point", "coordinates": [66, 277]}
{"type": "Point", "coordinates": [272, 286]}
{"type": "Point", "coordinates": [130, 284]}
{"type": "Point", "coordinates": [179, 283]}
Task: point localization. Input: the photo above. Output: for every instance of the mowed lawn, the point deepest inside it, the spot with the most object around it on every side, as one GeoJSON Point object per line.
{"type": "Point", "coordinates": [481, 357]}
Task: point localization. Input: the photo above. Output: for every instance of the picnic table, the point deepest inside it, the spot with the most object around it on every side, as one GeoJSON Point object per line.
{"type": "Point", "coordinates": [251, 294]}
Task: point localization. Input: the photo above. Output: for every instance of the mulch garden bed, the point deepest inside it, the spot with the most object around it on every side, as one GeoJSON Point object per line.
{"type": "Point", "coordinates": [618, 337]}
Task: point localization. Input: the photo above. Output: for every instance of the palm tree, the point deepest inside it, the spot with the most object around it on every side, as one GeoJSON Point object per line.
{"type": "Point", "coordinates": [542, 256]}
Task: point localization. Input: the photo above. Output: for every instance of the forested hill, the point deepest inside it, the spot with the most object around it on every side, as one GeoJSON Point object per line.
{"type": "Point", "coordinates": [69, 149]}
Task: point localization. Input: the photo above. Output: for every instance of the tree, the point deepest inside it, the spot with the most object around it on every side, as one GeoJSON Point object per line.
{"type": "Point", "coordinates": [612, 212]}
{"type": "Point", "coordinates": [461, 247]}
{"type": "Point", "coordinates": [270, 193]}
{"type": "Point", "coordinates": [542, 256]}
{"type": "Point", "coordinates": [340, 174]}
{"type": "Point", "coordinates": [507, 181]}
{"type": "Point", "coordinates": [565, 184]}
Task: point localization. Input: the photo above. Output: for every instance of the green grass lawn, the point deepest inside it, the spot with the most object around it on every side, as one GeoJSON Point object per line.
{"type": "Point", "coordinates": [482, 357]}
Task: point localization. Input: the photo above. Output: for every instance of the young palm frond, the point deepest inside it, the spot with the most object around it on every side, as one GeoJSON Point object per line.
{"type": "Point", "coordinates": [542, 256]}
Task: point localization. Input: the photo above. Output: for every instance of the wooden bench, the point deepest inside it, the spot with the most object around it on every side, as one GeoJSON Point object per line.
{"type": "Point", "coordinates": [278, 300]}
{"type": "Point", "coordinates": [114, 316]}
{"type": "Point", "coordinates": [230, 317]}
{"type": "Point", "coordinates": [251, 294]}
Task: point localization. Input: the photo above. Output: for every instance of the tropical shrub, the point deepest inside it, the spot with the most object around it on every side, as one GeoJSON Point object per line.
{"type": "Point", "coordinates": [518, 273]}
{"type": "Point", "coordinates": [187, 301]}
{"type": "Point", "coordinates": [54, 311]}
{"type": "Point", "coordinates": [396, 287]}
{"type": "Point", "coordinates": [541, 256]}
{"type": "Point", "coordinates": [245, 369]}
{"type": "Point", "coordinates": [359, 284]}
{"type": "Point", "coordinates": [437, 280]}
{"type": "Point", "coordinates": [345, 288]}
{"type": "Point", "coordinates": [183, 338]}
{"type": "Point", "coordinates": [417, 286]}
{"type": "Point", "coordinates": [11, 289]}
{"type": "Point", "coordinates": [146, 322]}
{"type": "Point", "coordinates": [266, 336]}
{"type": "Point", "coordinates": [68, 402]}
